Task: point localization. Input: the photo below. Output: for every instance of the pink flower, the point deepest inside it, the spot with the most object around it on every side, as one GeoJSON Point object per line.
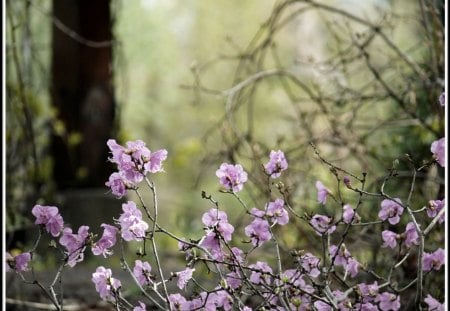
{"type": "Point", "coordinates": [75, 244]}
{"type": "Point", "coordinates": [217, 226]}
{"type": "Point", "coordinates": [131, 223]}
{"type": "Point", "coordinates": [310, 264]}
{"type": "Point", "coordinates": [141, 307]}
{"type": "Point", "coordinates": [219, 300]}
{"type": "Point", "coordinates": [50, 217]}
{"type": "Point", "coordinates": [366, 307]}
{"type": "Point", "coordinates": [118, 184]}
{"type": "Point", "coordinates": [438, 150]}
{"type": "Point", "coordinates": [388, 301]}
{"type": "Point", "coordinates": [18, 263]}
{"type": "Point", "coordinates": [211, 242]}
{"type": "Point", "coordinates": [368, 291]}
{"type": "Point", "coordinates": [389, 238]}
{"type": "Point", "coordinates": [234, 280]}
{"type": "Point", "coordinates": [322, 306]}
{"type": "Point", "coordinates": [108, 240]}
{"type": "Point", "coordinates": [349, 214]}
{"type": "Point", "coordinates": [322, 224]}
{"type": "Point", "coordinates": [275, 210]}
{"type": "Point", "coordinates": [347, 182]}
{"type": "Point", "coordinates": [177, 302]}
{"type": "Point", "coordinates": [352, 267]}
{"type": "Point", "coordinates": [136, 160]}
{"type": "Point", "coordinates": [232, 177]}
{"type": "Point", "coordinates": [342, 257]}
{"type": "Point", "coordinates": [322, 192]}
{"type": "Point", "coordinates": [391, 210]}
{"type": "Point", "coordinates": [142, 273]}
{"type": "Point", "coordinates": [276, 164]}
{"type": "Point", "coordinates": [260, 273]}
{"type": "Point", "coordinates": [433, 304]}
{"type": "Point", "coordinates": [442, 99]}
{"type": "Point", "coordinates": [258, 231]}
{"type": "Point", "coordinates": [219, 221]}
{"type": "Point", "coordinates": [154, 165]}
{"type": "Point", "coordinates": [411, 236]}
{"type": "Point", "coordinates": [433, 261]}
{"type": "Point", "coordinates": [434, 207]}
{"type": "Point", "coordinates": [105, 284]}
{"type": "Point", "coordinates": [184, 277]}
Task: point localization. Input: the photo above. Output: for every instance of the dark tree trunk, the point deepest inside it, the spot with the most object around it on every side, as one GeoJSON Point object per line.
{"type": "Point", "coordinates": [82, 92]}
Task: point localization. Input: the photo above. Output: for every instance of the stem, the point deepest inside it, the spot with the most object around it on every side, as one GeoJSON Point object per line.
{"type": "Point", "coordinates": [154, 248]}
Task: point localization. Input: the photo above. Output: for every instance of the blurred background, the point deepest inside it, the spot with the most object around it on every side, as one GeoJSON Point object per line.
{"type": "Point", "coordinates": [220, 81]}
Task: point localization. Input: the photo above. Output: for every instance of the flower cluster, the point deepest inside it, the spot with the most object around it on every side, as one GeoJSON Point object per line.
{"type": "Point", "coordinates": [133, 162]}
{"type": "Point", "coordinates": [49, 217]}
{"type": "Point", "coordinates": [217, 229]}
{"type": "Point", "coordinates": [131, 223]}
{"type": "Point", "coordinates": [300, 285]}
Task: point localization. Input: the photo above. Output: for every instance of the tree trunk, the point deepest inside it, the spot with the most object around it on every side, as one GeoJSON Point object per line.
{"type": "Point", "coordinates": [82, 92]}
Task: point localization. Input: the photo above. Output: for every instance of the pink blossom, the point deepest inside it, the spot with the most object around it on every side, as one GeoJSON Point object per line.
{"type": "Point", "coordinates": [22, 261]}
{"type": "Point", "coordinates": [310, 264]}
{"type": "Point", "coordinates": [154, 165]}
{"type": "Point", "coordinates": [388, 301]}
{"type": "Point", "coordinates": [389, 238]}
{"type": "Point", "coordinates": [258, 231]}
{"type": "Point", "coordinates": [347, 182]}
{"type": "Point", "coordinates": [352, 267]}
{"type": "Point", "coordinates": [442, 99]}
{"type": "Point", "coordinates": [276, 211]}
{"type": "Point", "coordinates": [131, 223]}
{"type": "Point", "coordinates": [141, 307]}
{"type": "Point", "coordinates": [75, 244]}
{"type": "Point", "coordinates": [184, 277]}
{"type": "Point", "coordinates": [391, 210]}
{"type": "Point", "coordinates": [105, 284]}
{"type": "Point", "coordinates": [19, 263]}
{"type": "Point", "coordinates": [237, 255]}
{"type": "Point", "coordinates": [349, 214]}
{"type": "Point", "coordinates": [368, 291]}
{"type": "Point", "coordinates": [218, 300]}
{"type": "Point", "coordinates": [322, 224]}
{"type": "Point", "coordinates": [142, 273]}
{"type": "Point", "coordinates": [118, 184]}
{"type": "Point", "coordinates": [177, 302]}
{"type": "Point", "coordinates": [211, 242]}
{"type": "Point", "coordinates": [219, 221]}
{"type": "Point", "coordinates": [50, 217]}
{"type": "Point", "coordinates": [342, 257]}
{"type": "Point", "coordinates": [367, 306]}
{"type": "Point", "coordinates": [232, 177]}
{"type": "Point", "coordinates": [322, 306]}
{"type": "Point", "coordinates": [411, 236]}
{"type": "Point", "coordinates": [260, 273]}
{"type": "Point", "coordinates": [438, 150]}
{"type": "Point", "coordinates": [234, 280]}
{"type": "Point", "coordinates": [136, 160]}
{"type": "Point", "coordinates": [107, 241]}
{"type": "Point", "coordinates": [434, 207]}
{"type": "Point", "coordinates": [276, 164]}
{"type": "Point", "coordinates": [322, 192]}
{"type": "Point", "coordinates": [433, 304]}
{"type": "Point", "coordinates": [433, 261]}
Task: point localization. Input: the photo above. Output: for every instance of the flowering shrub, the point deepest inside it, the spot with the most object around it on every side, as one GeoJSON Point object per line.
{"type": "Point", "coordinates": [337, 279]}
